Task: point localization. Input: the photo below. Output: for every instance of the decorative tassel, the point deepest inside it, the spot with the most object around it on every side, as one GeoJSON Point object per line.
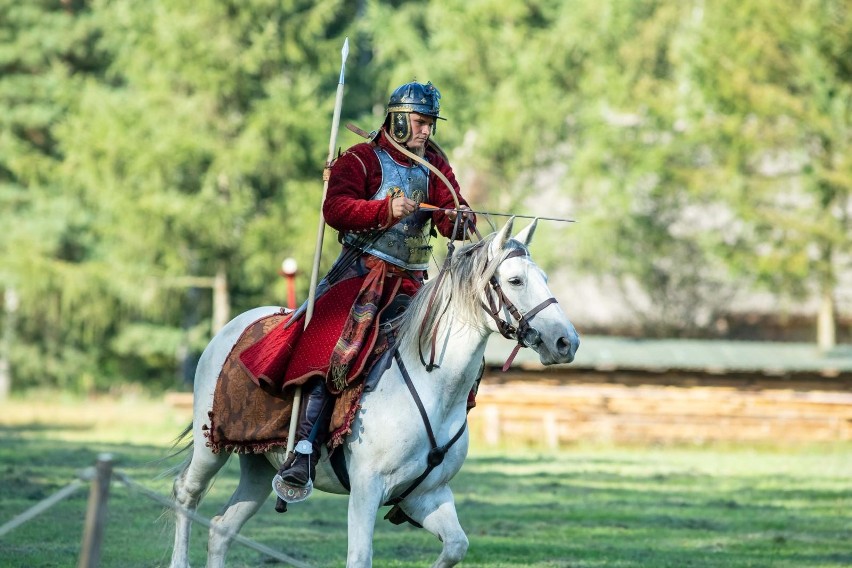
{"type": "Point", "coordinates": [338, 376]}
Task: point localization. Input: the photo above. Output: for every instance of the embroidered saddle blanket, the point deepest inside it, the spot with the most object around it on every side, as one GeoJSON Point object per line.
{"type": "Point", "coordinates": [252, 417]}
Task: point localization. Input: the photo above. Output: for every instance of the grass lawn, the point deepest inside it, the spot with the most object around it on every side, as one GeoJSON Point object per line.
{"type": "Point", "coordinates": [585, 506]}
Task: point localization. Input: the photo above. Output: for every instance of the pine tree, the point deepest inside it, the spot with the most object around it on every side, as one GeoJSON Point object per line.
{"type": "Point", "coordinates": [48, 49]}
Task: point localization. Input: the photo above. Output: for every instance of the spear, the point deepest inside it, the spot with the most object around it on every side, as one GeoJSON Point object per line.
{"type": "Point", "coordinates": [309, 311]}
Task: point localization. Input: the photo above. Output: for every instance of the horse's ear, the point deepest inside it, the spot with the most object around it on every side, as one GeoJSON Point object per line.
{"type": "Point", "coordinates": [526, 234]}
{"type": "Point", "coordinates": [502, 237]}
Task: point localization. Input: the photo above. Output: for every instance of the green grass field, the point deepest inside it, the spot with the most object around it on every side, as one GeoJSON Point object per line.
{"type": "Point", "coordinates": [585, 506]}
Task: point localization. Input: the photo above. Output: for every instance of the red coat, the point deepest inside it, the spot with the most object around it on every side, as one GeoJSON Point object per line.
{"type": "Point", "coordinates": [356, 177]}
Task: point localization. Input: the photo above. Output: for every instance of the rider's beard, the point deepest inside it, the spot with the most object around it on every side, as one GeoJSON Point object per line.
{"type": "Point", "coordinates": [419, 151]}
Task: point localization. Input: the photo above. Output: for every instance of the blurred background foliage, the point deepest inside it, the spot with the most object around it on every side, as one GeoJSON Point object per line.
{"type": "Point", "coordinates": [152, 150]}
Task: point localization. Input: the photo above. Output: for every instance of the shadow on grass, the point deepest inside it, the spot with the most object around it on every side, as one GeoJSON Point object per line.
{"type": "Point", "coordinates": [686, 518]}
{"type": "Point", "coordinates": [599, 508]}
{"type": "Point", "coordinates": [41, 428]}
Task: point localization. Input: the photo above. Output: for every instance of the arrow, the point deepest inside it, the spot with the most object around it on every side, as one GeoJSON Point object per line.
{"type": "Point", "coordinates": [429, 207]}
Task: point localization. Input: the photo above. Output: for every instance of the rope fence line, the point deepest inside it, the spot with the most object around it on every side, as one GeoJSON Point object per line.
{"type": "Point", "coordinates": [263, 549]}
{"type": "Point", "coordinates": [47, 503]}
{"type": "Point", "coordinates": [90, 475]}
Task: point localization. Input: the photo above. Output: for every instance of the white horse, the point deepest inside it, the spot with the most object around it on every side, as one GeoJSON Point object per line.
{"type": "Point", "coordinates": [385, 462]}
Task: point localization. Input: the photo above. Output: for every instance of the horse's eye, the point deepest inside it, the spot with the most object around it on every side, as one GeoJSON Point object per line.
{"type": "Point", "coordinates": [515, 281]}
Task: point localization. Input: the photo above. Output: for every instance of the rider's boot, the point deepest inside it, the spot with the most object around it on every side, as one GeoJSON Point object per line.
{"type": "Point", "coordinates": [314, 415]}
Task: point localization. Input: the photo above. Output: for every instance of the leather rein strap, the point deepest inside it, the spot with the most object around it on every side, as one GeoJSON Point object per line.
{"type": "Point", "coordinates": [525, 335]}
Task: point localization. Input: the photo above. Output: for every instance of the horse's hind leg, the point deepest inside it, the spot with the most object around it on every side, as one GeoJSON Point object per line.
{"type": "Point", "coordinates": [188, 490]}
{"type": "Point", "coordinates": [255, 486]}
{"type": "Point", "coordinates": [436, 511]}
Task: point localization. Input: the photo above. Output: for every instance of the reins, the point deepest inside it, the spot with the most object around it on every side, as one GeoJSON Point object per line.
{"type": "Point", "coordinates": [523, 332]}
{"type": "Point", "coordinates": [430, 366]}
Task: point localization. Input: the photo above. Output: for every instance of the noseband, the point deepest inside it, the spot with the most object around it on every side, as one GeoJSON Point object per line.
{"type": "Point", "coordinates": [523, 333]}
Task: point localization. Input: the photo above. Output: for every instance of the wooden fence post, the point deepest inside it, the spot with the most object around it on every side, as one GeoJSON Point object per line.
{"type": "Point", "coordinates": [90, 551]}
{"type": "Point", "coordinates": [550, 430]}
{"type": "Point", "coordinates": [492, 425]}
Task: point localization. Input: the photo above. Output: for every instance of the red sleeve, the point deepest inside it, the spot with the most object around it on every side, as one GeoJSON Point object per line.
{"type": "Point", "coordinates": [441, 196]}
{"type": "Point", "coordinates": [352, 182]}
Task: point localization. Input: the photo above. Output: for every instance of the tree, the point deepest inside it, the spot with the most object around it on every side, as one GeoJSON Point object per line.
{"type": "Point", "coordinates": [777, 87]}
{"type": "Point", "coordinates": [48, 50]}
{"type": "Point", "coordinates": [177, 158]}
{"type": "Point", "coordinates": [148, 149]}
{"type": "Point", "coordinates": [203, 157]}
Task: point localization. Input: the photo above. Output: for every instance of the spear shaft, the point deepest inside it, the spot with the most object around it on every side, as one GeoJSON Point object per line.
{"type": "Point", "coordinates": [332, 143]}
{"type": "Point", "coordinates": [312, 294]}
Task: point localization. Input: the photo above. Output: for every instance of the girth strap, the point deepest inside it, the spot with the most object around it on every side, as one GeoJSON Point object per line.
{"type": "Point", "coordinates": [437, 453]}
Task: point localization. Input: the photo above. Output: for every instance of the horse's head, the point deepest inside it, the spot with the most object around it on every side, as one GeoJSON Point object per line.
{"type": "Point", "coordinates": [520, 303]}
{"type": "Point", "coordinates": [494, 285]}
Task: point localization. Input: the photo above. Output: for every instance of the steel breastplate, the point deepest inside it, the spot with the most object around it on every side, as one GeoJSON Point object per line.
{"type": "Point", "coordinates": [406, 244]}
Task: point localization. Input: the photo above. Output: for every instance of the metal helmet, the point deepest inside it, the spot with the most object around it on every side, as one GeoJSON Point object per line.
{"type": "Point", "coordinates": [408, 98]}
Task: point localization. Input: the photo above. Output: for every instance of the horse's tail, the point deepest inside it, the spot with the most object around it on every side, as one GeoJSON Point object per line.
{"type": "Point", "coordinates": [180, 445]}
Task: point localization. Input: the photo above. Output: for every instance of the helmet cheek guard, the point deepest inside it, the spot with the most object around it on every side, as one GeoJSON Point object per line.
{"type": "Point", "coordinates": [400, 127]}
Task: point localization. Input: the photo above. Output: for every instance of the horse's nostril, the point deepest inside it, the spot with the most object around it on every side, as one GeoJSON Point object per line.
{"type": "Point", "coordinates": [563, 346]}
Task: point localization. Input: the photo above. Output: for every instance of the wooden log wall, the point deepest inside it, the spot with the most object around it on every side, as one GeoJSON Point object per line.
{"type": "Point", "coordinates": [555, 409]}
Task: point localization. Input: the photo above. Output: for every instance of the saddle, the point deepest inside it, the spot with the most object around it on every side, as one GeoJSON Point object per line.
{"type": "Point", "coordinates": [253, 417]}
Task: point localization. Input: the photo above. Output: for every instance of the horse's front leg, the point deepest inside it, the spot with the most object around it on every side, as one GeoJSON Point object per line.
{"type": "Point", "coordinates": [364, 501]}
{"type": "Point", "coordinates": [436, 512]}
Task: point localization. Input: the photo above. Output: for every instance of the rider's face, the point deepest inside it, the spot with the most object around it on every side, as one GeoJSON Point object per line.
{"type": "Point", "coordinates": [421, 129]}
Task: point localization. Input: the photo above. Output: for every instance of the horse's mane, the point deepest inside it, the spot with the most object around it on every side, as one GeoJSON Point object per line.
{"type": "Point", "coordinates": [459, 292]}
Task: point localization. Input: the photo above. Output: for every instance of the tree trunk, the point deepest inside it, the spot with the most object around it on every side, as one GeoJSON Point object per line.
{"type": "Point", "coordinates": [10, 307]}
{"type": "Point", "coordinates": [826, 338]}
{"type": "Point", "coordinates": [221, 300]}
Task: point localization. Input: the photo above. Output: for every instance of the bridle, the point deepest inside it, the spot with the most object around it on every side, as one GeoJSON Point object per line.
{"type": "Point", "coordinates": [525, 334]}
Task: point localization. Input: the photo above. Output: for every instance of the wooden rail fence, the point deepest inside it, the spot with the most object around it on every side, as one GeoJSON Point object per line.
{"type": "Point", "coordinates": [551, 413]}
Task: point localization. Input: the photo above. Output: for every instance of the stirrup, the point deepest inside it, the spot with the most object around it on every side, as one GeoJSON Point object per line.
{"type": "Point", "coordinates": [291, 493]}
{"type": "Point", "coordinates": [295, 493]}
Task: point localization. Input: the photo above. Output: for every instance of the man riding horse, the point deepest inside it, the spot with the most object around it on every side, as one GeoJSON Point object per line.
{"type": "Point", "coordinates": [374, 191]}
